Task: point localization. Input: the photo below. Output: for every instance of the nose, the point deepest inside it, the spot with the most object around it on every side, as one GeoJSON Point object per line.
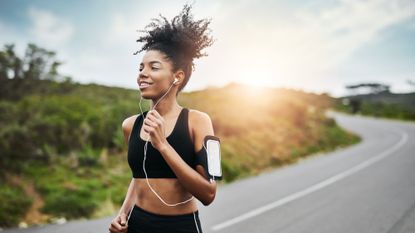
{"type": "Point", "coordinates": [143, 72]}
{"type": "Point", "coordinates": [141, 75]}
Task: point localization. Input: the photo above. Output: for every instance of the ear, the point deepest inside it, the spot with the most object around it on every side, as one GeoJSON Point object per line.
{"type": "Point", "coordinates": [179, 76]}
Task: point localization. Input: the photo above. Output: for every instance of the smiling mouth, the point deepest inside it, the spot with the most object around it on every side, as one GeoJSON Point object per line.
{"type": "Point", "coordinates": [144, 85]}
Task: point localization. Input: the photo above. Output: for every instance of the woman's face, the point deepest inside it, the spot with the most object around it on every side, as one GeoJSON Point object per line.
{"type": "Point", "coordinates": [156, 75]}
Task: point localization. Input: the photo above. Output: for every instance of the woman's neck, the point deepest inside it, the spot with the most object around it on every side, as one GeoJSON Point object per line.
{"type": "Point", "coordinates": [166, 106]}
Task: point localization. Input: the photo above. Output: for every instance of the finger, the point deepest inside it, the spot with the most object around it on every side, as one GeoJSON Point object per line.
{"type": "Point", "coordinates": [154, 124]}
{"type": "Point", "coordinates": [123, 220]}
{"type": "Point", "coordinates": [121, 229]}
{"type": "Point", "coordinates": [116, 226]}
{"type": "Point", "coordinates": [149, 122]}
{"type": "Point", "coordinates": [148, 128]}
{"type": "Point", "coordinates": [150, 114]}
{"type": "Point", "coordinates": [158, 121]}
{"type": "Point", "coordinates": [157, 114]}
{"type": "Point", "coordinates": [154, 117]}
{"type": "Point", "coordinates": [145, 128]}
{"type": "Point", "coordinates": [112, 229]}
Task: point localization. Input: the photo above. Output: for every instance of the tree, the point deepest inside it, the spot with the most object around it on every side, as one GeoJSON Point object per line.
{"type": "Point", "coordinates": [374, 88]}
{"type": "Point", "coordinates": [21, 76]}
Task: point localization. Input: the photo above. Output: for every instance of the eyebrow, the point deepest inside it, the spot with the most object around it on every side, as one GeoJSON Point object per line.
{"type": "Point", "coordinates": [151, 62]}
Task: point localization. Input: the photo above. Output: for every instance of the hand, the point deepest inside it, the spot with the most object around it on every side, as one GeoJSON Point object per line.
{"type": "Point", "coordinates": [119, 224]}
{"type": "Point", "coordinates": [154, 126]}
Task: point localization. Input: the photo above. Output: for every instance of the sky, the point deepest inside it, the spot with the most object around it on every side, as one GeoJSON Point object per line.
{"type": "Point", "coordinates": [316, 46]}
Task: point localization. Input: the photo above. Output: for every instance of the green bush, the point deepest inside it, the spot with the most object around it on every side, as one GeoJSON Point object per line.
{"type": "Point", "coordinates": [399, 110]}
{"type": "Point", "coordinates": [13, 205]}
{"type": "Point", "coordinates": [89, 156]}
{"type": "Point", "coordinates": [117, 188]}
{"type": "Point", "coordinates": [70, 203]}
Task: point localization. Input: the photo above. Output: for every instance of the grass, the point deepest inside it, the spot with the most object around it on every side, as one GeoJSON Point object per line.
{"type": "Point", "coordinates": [13, 205]}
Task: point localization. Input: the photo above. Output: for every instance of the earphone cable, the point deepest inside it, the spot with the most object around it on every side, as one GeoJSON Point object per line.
{"type": "Point", "coordinates": [145, 157]}
{"type": "Point", "coordinates": [144, 165]}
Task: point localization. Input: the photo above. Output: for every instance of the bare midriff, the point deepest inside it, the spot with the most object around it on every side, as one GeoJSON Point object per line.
{"type": "Point", "coordinates": [170, 190]}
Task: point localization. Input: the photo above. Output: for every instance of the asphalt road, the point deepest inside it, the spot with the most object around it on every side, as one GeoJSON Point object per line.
{"type": "Point", "coordinates": [368, 187]}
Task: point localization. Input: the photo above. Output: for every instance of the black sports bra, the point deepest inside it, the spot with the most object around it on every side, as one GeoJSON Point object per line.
{"type": "Point", "coordinates": [156, 166]}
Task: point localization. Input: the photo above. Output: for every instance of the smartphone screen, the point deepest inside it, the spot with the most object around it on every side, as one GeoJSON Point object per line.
{"type": "Point", "coordinates": [213, 149]}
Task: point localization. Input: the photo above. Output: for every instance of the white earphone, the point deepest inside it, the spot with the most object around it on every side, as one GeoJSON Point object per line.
{"type": "Point", "coordinates": [175, 80]}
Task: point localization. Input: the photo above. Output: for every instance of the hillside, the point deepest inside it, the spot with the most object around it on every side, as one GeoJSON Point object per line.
{"type": "Point", "coordinates": [56, 147]}
{"type": "Point", "coordinates": [384, 104]}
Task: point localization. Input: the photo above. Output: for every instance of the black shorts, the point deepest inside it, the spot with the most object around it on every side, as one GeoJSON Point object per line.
{"type": "Point", "coordinates": [142, 221]}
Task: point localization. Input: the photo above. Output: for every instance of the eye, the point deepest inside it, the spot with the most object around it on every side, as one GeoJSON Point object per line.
{"type": "Point", "coordinates": [154, 68]}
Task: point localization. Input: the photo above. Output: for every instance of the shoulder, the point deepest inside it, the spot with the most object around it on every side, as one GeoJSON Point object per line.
{"type": "Point", "coordinates": [128, 123]}
{"type": "Point", "coordinates": [199, 117]}
{"type": "Point", "coordinates": [200, 125]}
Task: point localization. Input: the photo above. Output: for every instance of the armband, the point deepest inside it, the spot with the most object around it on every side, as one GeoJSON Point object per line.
{"type": "Point", "coordinates": [210, 158]}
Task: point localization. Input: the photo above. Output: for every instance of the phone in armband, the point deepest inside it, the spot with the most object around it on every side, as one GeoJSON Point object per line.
{"type": "Point", "coordinates": [213, 157]}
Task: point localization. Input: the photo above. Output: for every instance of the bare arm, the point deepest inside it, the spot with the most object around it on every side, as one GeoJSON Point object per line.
{"type": "Point", "coordinates": [131, 196]}
{"type": "Point", "coordinates": [193, 181]}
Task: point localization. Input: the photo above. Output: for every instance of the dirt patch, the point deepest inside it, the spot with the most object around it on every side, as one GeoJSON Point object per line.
{"type": "Point", "coordinates": [33, 215]}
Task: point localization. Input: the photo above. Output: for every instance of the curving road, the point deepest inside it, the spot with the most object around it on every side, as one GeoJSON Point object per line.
{"type": "Point", "coordinates": [368, 187]}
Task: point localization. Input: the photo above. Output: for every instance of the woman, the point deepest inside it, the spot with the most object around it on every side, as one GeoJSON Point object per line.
{"type": "Point", "coordinates": [163, 143]}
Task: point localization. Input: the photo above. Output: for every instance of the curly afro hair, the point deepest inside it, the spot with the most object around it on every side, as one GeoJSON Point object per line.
{"type": "Point", "coordinates": [181, 40]}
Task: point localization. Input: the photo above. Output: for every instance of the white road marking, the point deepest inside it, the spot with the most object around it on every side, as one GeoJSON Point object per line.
{"type": "Point", "coordinates": [318, 186]}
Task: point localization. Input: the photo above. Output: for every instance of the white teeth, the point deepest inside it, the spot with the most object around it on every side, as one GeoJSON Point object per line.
{"type": "Point", "coordinates": [143, 84]}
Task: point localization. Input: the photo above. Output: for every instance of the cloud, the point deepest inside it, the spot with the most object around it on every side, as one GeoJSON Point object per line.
{"type": "Point", "coordinates": [297, 46]}
{"type": "Point", "coordinates": [48, 28]}
{"type": "Point", "coordinates": [273, 43]}
{"type": "Point", "coordinates": [351, 24]}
